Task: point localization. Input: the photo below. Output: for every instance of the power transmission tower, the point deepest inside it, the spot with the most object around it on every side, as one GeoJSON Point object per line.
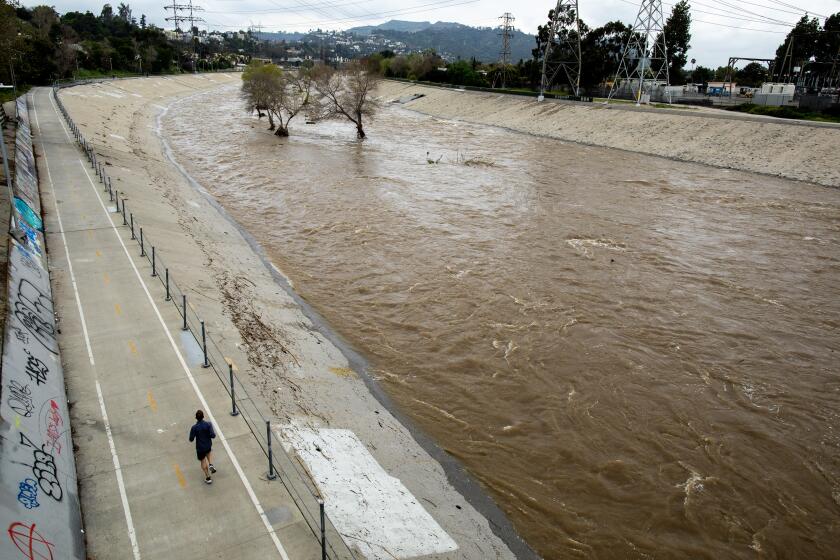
{"type": "Point", "coordinates": [644, 62]}
{"type": "Point", "coordinates": [504, 55]}
{"type": "Point", "coordinates": [189, 10]}
{"type": "Point", "coordinates": [562, 47]}
{"type": "Point", "coordinates": [176, 16]}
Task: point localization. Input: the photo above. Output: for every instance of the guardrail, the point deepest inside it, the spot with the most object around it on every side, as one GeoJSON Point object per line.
{"type": "Point", "coordinates": [280, 465]}
{"type": "Point", "coordinates": [39, 503]}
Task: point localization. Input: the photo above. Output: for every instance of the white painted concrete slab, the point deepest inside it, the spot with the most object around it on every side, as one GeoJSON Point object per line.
{"type": "Point", "coordinates": [367, 505]}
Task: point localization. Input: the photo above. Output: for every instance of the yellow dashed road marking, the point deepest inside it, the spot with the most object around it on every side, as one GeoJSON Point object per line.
{"type": "Point", "coordinates": [132, 347]}
{"type": "Point", "coordinates": [152, 401]}
{"type": "Point", "coordinates": [106, 278]}
{"type": "Point", "coordinates": [98, 253]}
{"type": "Point", "coordinates": [117, 309]}
{"type": "Point", "coordinates": [182, 482]}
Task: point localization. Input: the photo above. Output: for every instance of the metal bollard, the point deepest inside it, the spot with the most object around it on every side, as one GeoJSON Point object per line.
{"type": "Point", "coordinates": [184, 296]}
{"type": "Point", "coordinates": [125, 222]}
{"type": "Point", "coordinates": [168, 297]}
{"type": "Point", "coordinates": [117, 198]}
{"type": "Point", "coordinates": [154, 269]}
{"type": "Point", "coordinates": [142, 247]}
{"type": "Point", "coordinates": [109, 182]}
{"type": "Point", "coordinates": [206, 364]}
{"type": "Point", "coordinates": [132, 227]}
{"type": "Point", "coordinates": [110, 194]}
{"type": "Point", "coordinates": [271, 474]}
{"type": "Point", "coordinates": [323, 530]}
{"type": "Point", "coordinates": [233, 411]}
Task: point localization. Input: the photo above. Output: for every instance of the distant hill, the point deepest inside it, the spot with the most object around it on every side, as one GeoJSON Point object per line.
{"type": "Point", "coordinates": [452, 39]}
{"type": "Point", "coordinates": [280, 36]}
{"type": "Point", "coordinates": [393, 25]}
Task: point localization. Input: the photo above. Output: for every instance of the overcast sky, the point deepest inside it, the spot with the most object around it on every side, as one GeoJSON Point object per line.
{"type": "Point", "coordinates": [755, 27]}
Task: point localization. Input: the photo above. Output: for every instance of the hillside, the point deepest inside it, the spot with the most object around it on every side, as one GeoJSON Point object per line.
{"type": "Point", "coordinates": [452, 39]}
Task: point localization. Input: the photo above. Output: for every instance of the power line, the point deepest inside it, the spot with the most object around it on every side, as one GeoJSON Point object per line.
{"type": "Point", "coordinates": [644, 62]}
{"type": "Point", "coordinates": [504, 55]}
{"type": "Point", "coordinates": [561, 50]}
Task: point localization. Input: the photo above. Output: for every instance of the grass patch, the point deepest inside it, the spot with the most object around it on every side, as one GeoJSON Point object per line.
{"type": "Point", "coordinates": [832, 115]}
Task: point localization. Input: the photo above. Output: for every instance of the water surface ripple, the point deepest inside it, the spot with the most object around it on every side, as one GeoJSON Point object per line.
{"type": "Point", "coordinates": [637, 357]}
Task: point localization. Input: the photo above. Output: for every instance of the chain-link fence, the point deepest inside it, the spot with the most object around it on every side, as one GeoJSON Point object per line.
{"type": "Point", "coordinates": [281, 466]}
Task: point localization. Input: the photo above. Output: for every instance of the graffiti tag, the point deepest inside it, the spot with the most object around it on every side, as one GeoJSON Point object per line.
{"type": "Point", "coordinates": [36, 369]}
{"type": "Point", "coordinates": [28, 494]}
{"type": "Point", "coordinates": [54, 425]}
{"type": "Point", "coordinates": [20, 398]}
{"type": "Point", "coordinates": [20, 335]}
{"type": "Point", "coordinates": [35, 311]}
{"type": "Point", "coordinates": [44, 469]}
{"type": "Point", "coordinates": [30, 542]}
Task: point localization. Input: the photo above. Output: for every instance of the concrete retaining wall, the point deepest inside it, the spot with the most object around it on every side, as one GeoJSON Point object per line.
{"type": "Point", "coordinates": [39, 502]}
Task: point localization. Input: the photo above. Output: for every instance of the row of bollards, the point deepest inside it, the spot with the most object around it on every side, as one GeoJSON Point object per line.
{"type": "Point", "coordinates": [128, 220]}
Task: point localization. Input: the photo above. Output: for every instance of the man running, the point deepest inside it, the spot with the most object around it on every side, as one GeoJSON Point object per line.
{"type": "Point", "coordinates": [203, 434]}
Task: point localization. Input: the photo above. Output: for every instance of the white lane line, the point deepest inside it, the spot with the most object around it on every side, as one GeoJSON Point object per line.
{"type": "Point", "coordinates": [135, 547]}
{"type": "Point", "coordinates": [254, 500]}
{"type": "Point", "coordinates": [132, 534]}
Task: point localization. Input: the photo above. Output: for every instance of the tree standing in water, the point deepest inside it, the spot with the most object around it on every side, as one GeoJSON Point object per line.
{"type": "Point", "coordinates": [347, 94]}
{"type": "Point", "coordinates": [260, 85]}
{"type": "Point", "coordinates": [282, 95]}
{"type": "Point", "coordinates": [292, 98]}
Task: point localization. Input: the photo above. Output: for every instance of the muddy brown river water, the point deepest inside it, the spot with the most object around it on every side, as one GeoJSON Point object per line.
{"type": "Point", "coordinates": [636, 357]}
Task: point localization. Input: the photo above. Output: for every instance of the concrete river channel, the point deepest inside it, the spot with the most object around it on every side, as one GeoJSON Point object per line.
{"type": "Point", "coordinates": [636, 357]}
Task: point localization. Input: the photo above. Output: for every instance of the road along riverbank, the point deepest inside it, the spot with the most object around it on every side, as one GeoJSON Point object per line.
{"type": "Point", "coordinates": [797, 150]}
{"type": "Point", "coordinates": [388, 495]}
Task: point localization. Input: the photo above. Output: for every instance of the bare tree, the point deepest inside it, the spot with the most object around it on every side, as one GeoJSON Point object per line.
{"type": "Point", "coordinates": [292, 98]}
{"type": "Point", "coordinates": [347, 94]}
{"type": "Point", "coordinates": [282, 95]}
{"type": "Point", "coordinates": [260, 84]}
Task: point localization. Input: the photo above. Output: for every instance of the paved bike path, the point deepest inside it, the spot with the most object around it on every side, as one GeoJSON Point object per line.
{"type": "Point", "coordinates": [134, 389]}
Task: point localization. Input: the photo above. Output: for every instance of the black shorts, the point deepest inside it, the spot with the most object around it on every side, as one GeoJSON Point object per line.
{"type": "Point", "coordinates": [202, 453]}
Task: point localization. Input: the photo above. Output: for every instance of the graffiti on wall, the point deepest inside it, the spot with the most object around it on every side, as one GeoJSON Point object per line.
{"type": "Point", "coordinates": [39, 501]}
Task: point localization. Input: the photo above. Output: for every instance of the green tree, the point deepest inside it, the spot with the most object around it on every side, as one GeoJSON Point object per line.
{"type": "Point", "coordinates": [601, 51]}
{"type": "Point", "coordinates": [261, 84]}
{"type": "Point", "coordinates": [678, 40]}
{"type": "Point", "coordinates": [702, 75]}
{"type": "Point", "coordinates": [752, 75]}
{"type": "Point", "coordinates": [799, 47]}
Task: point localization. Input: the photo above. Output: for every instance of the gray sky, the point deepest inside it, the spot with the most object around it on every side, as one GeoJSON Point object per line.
{"type": "Point", "coordinates": [750, 33]}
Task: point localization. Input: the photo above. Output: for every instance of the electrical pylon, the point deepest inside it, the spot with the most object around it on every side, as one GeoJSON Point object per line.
{"type": "Point", "coordinates": [644, 61]}
{"type": "Point", "coordinates": [563, 43]}
{"type": "Point", "coordinates": [187, 8]}
{"type": "Point", "coordinates": [504, 54]}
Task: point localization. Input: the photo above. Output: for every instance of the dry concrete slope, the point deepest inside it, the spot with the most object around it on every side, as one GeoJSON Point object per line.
{"type": "Point", "coordinates": [795, 150]}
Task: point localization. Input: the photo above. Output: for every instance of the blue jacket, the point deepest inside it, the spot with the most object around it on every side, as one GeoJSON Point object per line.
{"type": "Point", "coordinates": [203, 434]}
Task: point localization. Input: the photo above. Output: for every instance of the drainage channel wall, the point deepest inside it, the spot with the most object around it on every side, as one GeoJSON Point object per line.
{"type": "Point", "coordinates": [39, 502]}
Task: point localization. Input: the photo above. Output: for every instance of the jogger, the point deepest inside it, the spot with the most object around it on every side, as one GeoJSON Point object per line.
{"type": "Point", "coordinates": [202, 433]}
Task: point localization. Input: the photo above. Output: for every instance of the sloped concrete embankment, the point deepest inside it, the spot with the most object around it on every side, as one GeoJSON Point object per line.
{"type": "Point", "coordinates": [793, 149]}
{"type": "Point", "coordinates": [39, 502]}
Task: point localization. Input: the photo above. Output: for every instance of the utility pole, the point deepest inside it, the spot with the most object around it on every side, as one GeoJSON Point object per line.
{"type": "Point", "coordinates": [644, 62]}
{"type": "Point", "coordinates": [787, 61]}
{"type": "Point", "coordinates": [504, 55]}
{"type": "Point", "coordinates": [189, 9]}
{"type": "Point", "coordinates": [561, 50]}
